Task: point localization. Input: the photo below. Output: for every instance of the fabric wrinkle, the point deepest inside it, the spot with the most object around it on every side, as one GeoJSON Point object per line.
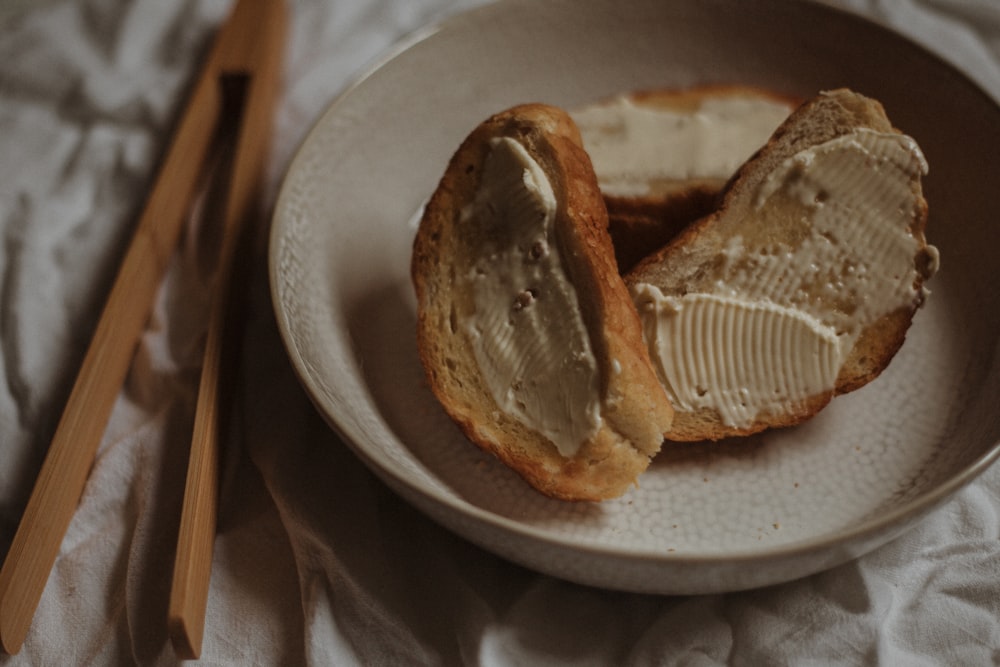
{"type": "Point", "coordinates": [316, 560]}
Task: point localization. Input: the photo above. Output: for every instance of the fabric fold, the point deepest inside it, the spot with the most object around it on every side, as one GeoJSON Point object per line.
{"type": "Point", "coordinates": [316, 561]}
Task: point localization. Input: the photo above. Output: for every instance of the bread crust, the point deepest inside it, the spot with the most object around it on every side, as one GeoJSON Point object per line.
{"type": "Point", "coordinates": [683, 264]}
{"type": "Point", "coordinates": [635, 410]}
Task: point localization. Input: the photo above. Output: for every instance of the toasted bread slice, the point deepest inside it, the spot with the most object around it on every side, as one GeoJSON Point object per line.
{"type": "Point", "coordinates": [662, 157]}
{"type": "Point", "coordinates": [802, 286]}
{"type": "Point", "coordinates": [525, 329]}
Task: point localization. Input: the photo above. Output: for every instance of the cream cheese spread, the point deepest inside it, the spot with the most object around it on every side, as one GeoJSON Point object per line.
{"type": "Point", "coordinates": [777, 320]}
{"type": "Point", "coordinates": [736, 356]}
{"type": "Point", "coordinates": [527, 333]}
{"type": "Point", "coordinates": [634, 145]}
{"type": "Point", "coordinates": [858, 249]}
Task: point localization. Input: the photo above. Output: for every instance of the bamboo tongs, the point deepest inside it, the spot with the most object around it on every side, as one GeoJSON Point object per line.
{"type": "Point", "coordinates": [248, 47]}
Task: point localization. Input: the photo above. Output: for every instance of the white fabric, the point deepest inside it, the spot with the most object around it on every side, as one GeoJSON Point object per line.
{"type": "Point", "coordinates": [316, 562]}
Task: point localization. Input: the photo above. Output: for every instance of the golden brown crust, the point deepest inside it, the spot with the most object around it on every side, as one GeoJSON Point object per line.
{"type": "Point", "coordinates": [704, 424]}
{"type": "Point", "coordinates": [635, 409]}
{"type": "Point", "coordinates": [685, 263]}
{"type": "Point", "coordinates": [692, 97]}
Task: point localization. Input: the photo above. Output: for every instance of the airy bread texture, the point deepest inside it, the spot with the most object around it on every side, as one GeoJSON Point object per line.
{"type": "Point", "coordinates": [729, 121]}
{"type": "Point", "coordinates": [691, 263]}
{"type": "Point", "coordinates": [634, 409]}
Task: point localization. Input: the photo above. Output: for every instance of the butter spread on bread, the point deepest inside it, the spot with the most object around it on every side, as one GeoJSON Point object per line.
{"type": "Point", "coordinates": [804, 283]}
{"type": "Point", "coordinates": [525, 329]}
{"type": "Point", "coordinates": [737, 356]}
{"type": "Point", "coordinates": [662, 157]}
{"type": "Point", "coordinates": [639, 146]}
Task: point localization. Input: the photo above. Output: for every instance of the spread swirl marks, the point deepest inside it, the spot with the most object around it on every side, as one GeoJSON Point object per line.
{"type": "Point", "coordinates": [740, 358]}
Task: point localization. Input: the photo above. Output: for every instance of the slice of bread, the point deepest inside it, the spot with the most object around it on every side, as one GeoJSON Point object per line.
{"type": "Point", "coordinates": [802, 285]}
{"type": "Point", "coordinates": [662, 157]}
{"type": "Point", "coordinates": [526, 331]}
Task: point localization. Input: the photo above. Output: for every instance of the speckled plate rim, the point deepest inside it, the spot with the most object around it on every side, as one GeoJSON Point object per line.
{"type": "Point", "coordinates": [902, 516]}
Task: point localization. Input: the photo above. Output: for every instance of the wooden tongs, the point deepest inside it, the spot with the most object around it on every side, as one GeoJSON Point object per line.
{"type": "Point", "coordinates": [249, 49]}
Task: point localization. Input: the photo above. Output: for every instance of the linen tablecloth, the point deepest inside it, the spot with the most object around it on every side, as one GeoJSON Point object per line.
{"type": "Point", "coordinates": [316, 562]}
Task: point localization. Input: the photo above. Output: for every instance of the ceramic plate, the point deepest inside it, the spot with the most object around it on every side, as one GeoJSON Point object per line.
{"type": "Point", "coordinates": [707, 518]}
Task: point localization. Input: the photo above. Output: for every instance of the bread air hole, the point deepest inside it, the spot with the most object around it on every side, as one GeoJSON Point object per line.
{"type": "Point", "coordinates": [525, 298]}
{"type": "Point", "coordinates": [538, 250]}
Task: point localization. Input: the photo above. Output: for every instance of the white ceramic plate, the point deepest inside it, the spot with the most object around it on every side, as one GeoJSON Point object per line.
{"type": "Point", "coordinates": [719, 517]}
